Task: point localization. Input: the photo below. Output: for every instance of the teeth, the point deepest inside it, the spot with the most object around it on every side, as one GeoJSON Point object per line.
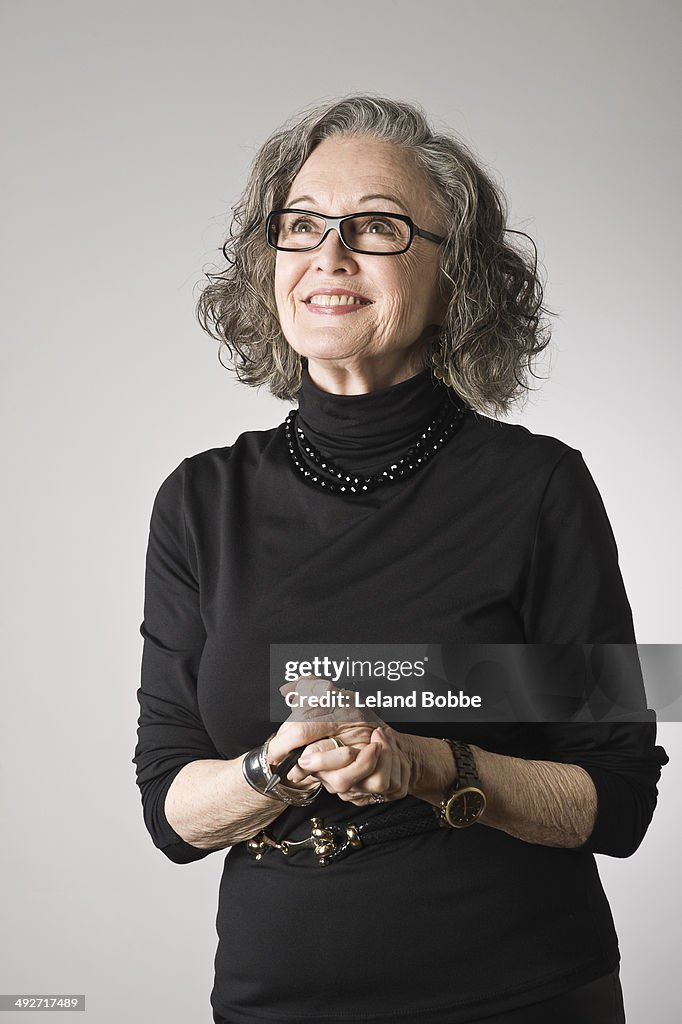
{"type": "Point", "coordinates": [337, 300]}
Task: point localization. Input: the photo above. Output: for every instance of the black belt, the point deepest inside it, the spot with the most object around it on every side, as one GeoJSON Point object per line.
{"type": "Point", "coordinates": [334, 840]}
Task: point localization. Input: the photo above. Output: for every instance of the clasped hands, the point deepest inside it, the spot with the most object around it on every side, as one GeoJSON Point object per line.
{"type": "Point", "coordinates": [374, 758]}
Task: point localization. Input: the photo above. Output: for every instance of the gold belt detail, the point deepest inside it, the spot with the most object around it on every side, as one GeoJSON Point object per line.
{"type": "Point", "coordinates": [326, 841]}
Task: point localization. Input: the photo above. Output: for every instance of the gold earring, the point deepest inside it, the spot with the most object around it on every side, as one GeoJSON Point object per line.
{"type": "Point", "coordinates": [439, 369]}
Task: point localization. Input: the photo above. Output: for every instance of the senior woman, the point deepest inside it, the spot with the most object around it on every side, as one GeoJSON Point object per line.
{"type": "Point", "coordinates": [371, 278]}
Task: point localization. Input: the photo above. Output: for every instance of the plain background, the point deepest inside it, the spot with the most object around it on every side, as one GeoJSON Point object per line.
{"type": "Point", "coordinates": [128, 131]}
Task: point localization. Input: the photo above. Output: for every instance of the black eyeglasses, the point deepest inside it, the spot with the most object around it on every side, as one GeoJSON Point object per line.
{"type": "Point", "coordinates": [373, 234]}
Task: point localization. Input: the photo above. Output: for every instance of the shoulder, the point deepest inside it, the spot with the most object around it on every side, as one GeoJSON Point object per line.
{"type": "Point", "coordinates": [207, 471]}
{"type": "Point", "coordinates": [512, 448]}
{"type": "Point", "coordinates": [523, 468]}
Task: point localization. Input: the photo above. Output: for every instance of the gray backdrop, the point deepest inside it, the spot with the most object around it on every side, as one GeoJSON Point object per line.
{"type": "Point", "coordinates": [129, 128]}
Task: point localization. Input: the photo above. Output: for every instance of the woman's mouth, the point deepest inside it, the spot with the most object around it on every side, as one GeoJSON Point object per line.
{"type": "Point", "coordinates": [335, 304]}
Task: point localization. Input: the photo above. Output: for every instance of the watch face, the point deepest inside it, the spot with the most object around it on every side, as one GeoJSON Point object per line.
{"type": "Point", "coordinates": [464, 807]}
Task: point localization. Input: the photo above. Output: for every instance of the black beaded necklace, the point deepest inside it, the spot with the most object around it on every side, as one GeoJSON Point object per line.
{"type": "Point", "coordinates": [333, 478]}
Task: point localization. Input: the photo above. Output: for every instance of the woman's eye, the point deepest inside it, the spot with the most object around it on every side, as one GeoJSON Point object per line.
{"type": "Point", "coordinates": [383, 227]}
{"type": "Point", "coordinates": [300, 225]}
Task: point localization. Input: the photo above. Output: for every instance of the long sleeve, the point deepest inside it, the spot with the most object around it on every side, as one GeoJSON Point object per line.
{"type": "Point", "coordinates": [624, 763]}
{"type": "Point", "coordinates": [170, 729]}
{"type": "Point", "coordinates": [574, 590]}
{"type": "Point", "coordinates": [575, 595]}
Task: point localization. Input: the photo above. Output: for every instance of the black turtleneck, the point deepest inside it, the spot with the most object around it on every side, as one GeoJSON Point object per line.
{"type": "Point", "coordinates": [366, 432]}
{"type": "Point", "coordinates": [500, 538]}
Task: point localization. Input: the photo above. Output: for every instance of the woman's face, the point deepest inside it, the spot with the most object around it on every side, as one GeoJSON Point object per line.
{"type": "Point", "coordinates": [404, 304]}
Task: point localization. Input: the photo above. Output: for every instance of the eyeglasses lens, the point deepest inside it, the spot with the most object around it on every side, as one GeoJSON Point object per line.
{"type": "Point", "coordinates": [367, 233]}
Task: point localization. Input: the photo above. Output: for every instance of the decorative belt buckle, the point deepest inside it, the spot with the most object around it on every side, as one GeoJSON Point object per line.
{"type": "Point", "coordinates": [326, 841]}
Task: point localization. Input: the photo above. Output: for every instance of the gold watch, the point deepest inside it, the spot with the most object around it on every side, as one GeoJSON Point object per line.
{"type": "Point", "coordinates": [464, 803]}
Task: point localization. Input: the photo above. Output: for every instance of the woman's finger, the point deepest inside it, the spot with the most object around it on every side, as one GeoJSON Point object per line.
{"type": "Point", "coordinates": [394, 785]}
{"type": "Point", "coordinates": [345, 779]}
{"type": "Point", "coordinates": [388, 777]}
{"type": "Point", "coordinates": [326, 756]}
{"type": "Point", "coordinates": [379, 780]}
{"type": "Point", "coordinates": [308, 686]}
{"type": "Point", "coordinates": [322, 756]}
{"type": "Point", "coordinates": [296, 733]}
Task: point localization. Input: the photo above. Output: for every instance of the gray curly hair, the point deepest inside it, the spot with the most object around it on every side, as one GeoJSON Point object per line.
{"type": "Point", "coordinates": [495, 325]}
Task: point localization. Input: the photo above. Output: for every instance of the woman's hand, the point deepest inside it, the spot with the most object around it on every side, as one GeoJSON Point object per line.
{"type": "Point", "coordinates": [382, 766]}
{"type": "Point", "coordinates": [312, 727]}
{"type": "Point", "coordinates": [375, 759]}
{"type": "Point", "coordinates": [539, 802]}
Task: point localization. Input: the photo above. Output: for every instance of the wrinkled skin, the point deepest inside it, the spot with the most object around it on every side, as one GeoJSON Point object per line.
{"type": "Point", "coordinates": [378, 345]}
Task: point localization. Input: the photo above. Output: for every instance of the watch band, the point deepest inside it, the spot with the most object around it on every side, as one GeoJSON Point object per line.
{"type": "Point", "coordinates": [467, 773]}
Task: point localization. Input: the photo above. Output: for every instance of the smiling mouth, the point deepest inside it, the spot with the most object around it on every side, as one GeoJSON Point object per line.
{"type": "Point", "coordinates": [336, 300]}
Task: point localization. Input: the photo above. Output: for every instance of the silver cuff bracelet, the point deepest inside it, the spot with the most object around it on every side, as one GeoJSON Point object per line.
{"type": "Point", "coordinates": [256, 771]}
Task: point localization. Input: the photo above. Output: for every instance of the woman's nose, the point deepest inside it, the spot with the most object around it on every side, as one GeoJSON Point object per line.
{"type": "Point", "coordinates": [333, 254]}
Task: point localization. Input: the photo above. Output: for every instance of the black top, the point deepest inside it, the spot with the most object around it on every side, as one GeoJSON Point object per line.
{"type": "Point", "coordinates": [501, 538]}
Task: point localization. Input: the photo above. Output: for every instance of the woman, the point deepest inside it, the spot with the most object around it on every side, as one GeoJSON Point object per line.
{"type": "Point", "coordinates": [407, 321]}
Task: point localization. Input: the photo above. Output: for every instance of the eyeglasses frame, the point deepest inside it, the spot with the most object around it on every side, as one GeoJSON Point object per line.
{"type": "Point", "coordinates": [332, 223]}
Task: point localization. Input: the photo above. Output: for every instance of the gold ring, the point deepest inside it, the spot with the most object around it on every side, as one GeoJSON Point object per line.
{"type": "Point", "coordinates": [336, 741]}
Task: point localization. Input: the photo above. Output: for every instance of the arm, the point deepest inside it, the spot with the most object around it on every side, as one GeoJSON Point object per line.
{"type": "Point", "coordinates": [171, 734]}
{"type": "Point", "coordinates": [536, 801]}
{"type": "Point", "coordinates": [211, 805]}
{"type": "Point", "coordinates": [593, 785]}
{"type": "Point", "coordinates": [598, 792]}
{"type": "Point", "coordinates": [193, 800]}
{"type": "Point", "coordinates": [574, 594]}
{"type": "Point", "coordinates": [602, 804]}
